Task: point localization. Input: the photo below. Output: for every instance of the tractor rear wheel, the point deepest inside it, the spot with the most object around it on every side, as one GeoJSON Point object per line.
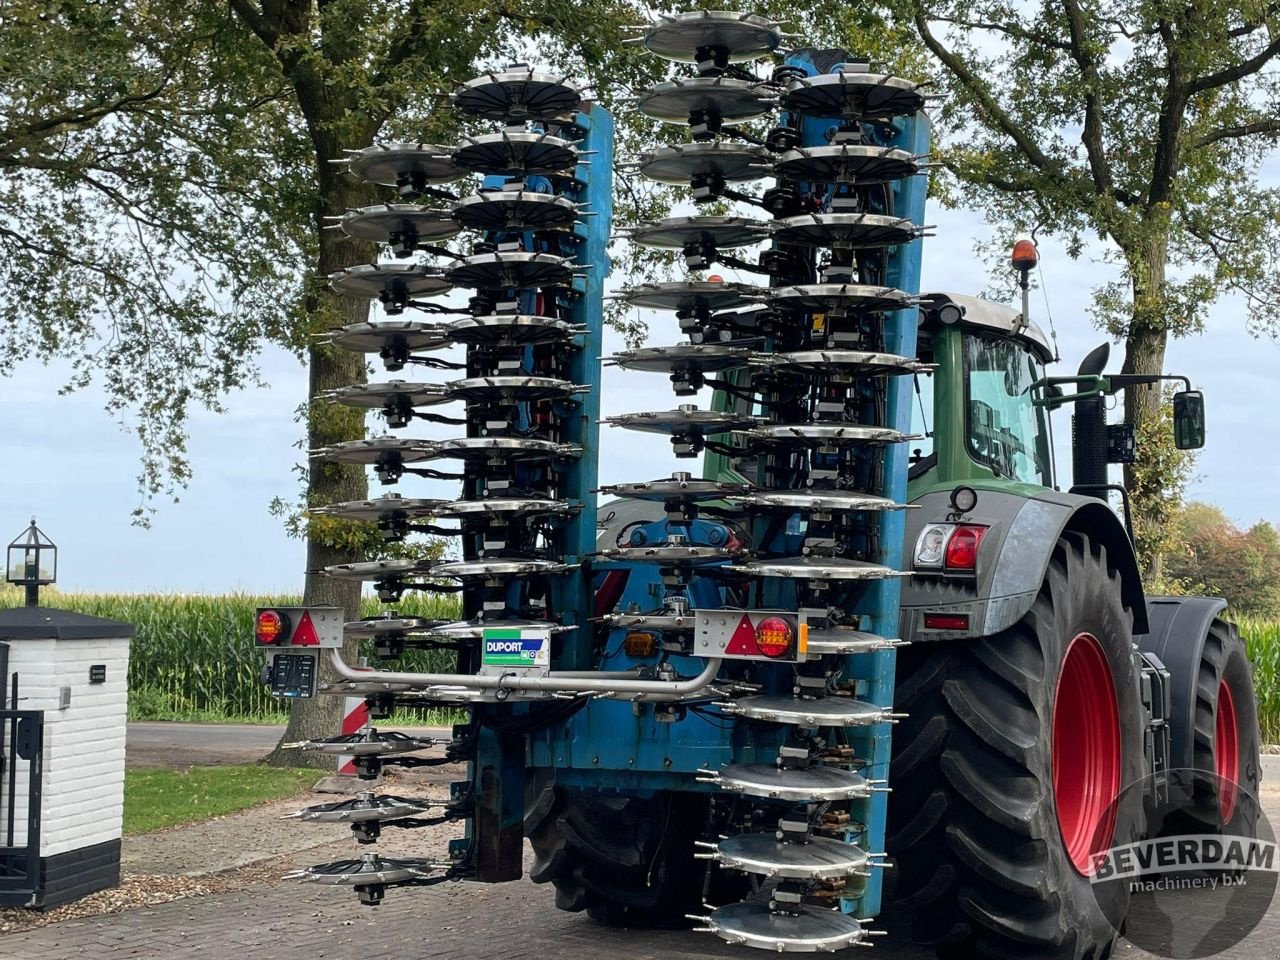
{"type": "Point", "coordinates": [1011, 770]}
{"type": "Point", "coordinates": [627, 861]}
{"type": "Point", "coordinates": [1222, 731]}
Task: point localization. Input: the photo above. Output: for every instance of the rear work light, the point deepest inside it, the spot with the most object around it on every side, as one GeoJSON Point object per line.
{"type": "Point", "coordinates": [949, 546]}
{"type": "Point", "coordinates": [774, 637]}
{"type": "Point", "coordinates": [270, 626]}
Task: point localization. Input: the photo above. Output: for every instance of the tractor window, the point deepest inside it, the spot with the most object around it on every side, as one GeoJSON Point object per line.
{"type": "Point", "coordinates": [1003, 428]}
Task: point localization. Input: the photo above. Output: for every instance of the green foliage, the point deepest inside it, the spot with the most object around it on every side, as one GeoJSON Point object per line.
{"type": "Point", "coordinates": [1143, 125]}
{"type": "Point", "coordinates": [1222, 560]}
{"type": "Point", "coordinates": [1262, 639]}
{"type": "Point", "coordinates": [1158, 483]}
{"type": "Point", "coordinates": [193, 658]}
{"type": "Point", "coordinates": [156, 799]}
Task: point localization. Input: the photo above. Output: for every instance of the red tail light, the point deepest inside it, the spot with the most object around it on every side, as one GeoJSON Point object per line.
{"type": "Point", "coordinates": [962, 547]}
{"type": "Point", "coordinates": [774, 637]}
{"type": "Point", "coordinates": [270, 626]}
{"type": "Point", "coordinates": [946, 621]}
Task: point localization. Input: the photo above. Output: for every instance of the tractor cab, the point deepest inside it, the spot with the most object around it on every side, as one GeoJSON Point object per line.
{"type": "Point", "coordinates": [976, 413]}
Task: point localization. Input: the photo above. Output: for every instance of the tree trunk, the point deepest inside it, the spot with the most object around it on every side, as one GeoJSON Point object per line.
{"type": "Point", "coordinates": [329, 423]}
{"type": "Point", "coordinates": [1145, 343]}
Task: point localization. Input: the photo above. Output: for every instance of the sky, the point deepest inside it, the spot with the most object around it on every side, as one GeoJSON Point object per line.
{"type": "Point", "coordinates": [69, 463]}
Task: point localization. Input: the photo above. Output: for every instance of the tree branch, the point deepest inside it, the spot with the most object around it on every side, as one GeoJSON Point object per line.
{"type": "Point", "coordinates": [1091, 135]}
{"type": "Point", "coordinates": [1237, 71]}
{"type": "Point", "coordinates": [1257, 127]}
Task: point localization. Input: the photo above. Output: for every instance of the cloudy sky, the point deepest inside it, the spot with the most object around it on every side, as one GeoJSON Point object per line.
{"type": "Point", "coordinates": [66, 461]}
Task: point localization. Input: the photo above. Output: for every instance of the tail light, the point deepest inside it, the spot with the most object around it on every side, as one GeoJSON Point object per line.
{"type": "Point", "coordinates": [950, 546]}
{"type": "Point", "coordinates": [774, 637]}
{"type": "Point", "coordinates": [962, 547]}
{"type": "Point", "coordinates": [270, 626]}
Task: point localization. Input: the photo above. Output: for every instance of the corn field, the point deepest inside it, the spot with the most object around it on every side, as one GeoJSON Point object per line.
{"type": "Point", "coordinates": [193, 655]}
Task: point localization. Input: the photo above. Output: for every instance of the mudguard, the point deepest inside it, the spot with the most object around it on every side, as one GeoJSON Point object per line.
{"type": "Point", "coordinates": [1177, 630]}
{"type": "Point", "coordinates": [1012, 559]}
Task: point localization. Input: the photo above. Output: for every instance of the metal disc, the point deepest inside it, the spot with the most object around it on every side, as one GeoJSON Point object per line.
{"type": "Point", "coordinates": [375, 627]}
{"type": "Point", "coordinates": [827, 712]}
{"type": "Point", "coordinates": [818, 859]}
{"type": "Point", "coordinates": [500, 567]}
{"type": "Point", "coordinates": [519, 271]}
{"type": "Point", "coordinates": [847, 296]}
{"type": "Point", "coordinates": [844, 642]}
{"type": "Point", "coordinates": [827, 501]}
{"type": "Point", "coordinates": [517, 93]}
{"type": "Point", "coordinates": [379, 809]}
{"type": "Point", "coordinates": [810, 784]}
{"type": "Point", "coordinates": [390, 507]}
{"type": "Point", "coordinates": [850, 230]}
{"type": "Point", "coordinates": [692, 294]}
{"type": "Point", "coordinates": [383, 222]}
{"type": "Point", "coordinates": [366, 743]}
{"type": "Point", "coordinates": [816, 568]}
{"type": "Point", "coordinates": [369, 869]}
{"type": "Point", "coordinates": [474, 629]}
{"type": "Point", "coordinates": [704, 357]}
{"type": "Point", "coordinates": [852, 361]}
{"type": "Point", "coordinates": [515, 210]}
{"type": "Point", "coordinates": [732, 162]}
{"type": "Point", "coordinates": [852, 94]}
{"type": "Point", "coordinates": [520, 154]}
{"type": "Point", "coordinates": [721, 97]}
{"type": "Point", "coordinates": [390, 163]}
{"type": "Point", "coordinates": [506, 448]}
{"type": "Point", "coordinates": [660, 553]}
{"type": "Point", "coordinates": [742, 36]}
{"type": "Point", "coordinates": [725, 233]}
{"type": "Point", "coordinates": [409, 335]}
{"type": "Point", "coordinates": [675, 488]}
{"type": "Point", "coordinates": [512, 389]}
{"type": "Point", "coordinates": [509, 328]}
{"type": "Point", "coordinates": [374, 396]}
{"type": "Point", "coordinates": [377, 570]}
{"type": "Point", "coordinates": [379, 450]}
{"type": "Point", "coordinates": [392, 280]}
{"type": "Point", "coordinates": [683, 421]}
{"type": "Point", "coordinates": [751, 924]}
{"type": "Point", "coordinates": [504, 506]}
{"type": "Point", "coordinates": [847, 163]}
{"type": "Point", "coordinates": [823, 434]}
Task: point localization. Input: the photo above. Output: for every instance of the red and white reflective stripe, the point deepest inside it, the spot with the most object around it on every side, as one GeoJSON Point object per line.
{"type": "Point", "coordinates": [355, 717]}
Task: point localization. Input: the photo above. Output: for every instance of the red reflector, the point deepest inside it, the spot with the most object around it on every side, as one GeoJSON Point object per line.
{"type": "Point", "coordinates": [268, 627]}
{"type": "Point", "coordinates": [305, 635]}
{"type": "Point", "coordinates": [962, 548]}
{"type": "Point", "coordinates": [774, 636]}
{"type": "Point", "coordinates": [946, 621]}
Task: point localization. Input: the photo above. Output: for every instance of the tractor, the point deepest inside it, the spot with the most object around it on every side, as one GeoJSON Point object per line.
{"type": "Point", "coordinates": [869, 639]}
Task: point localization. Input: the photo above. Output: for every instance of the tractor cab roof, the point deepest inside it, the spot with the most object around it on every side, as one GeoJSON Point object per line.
{"type": "Point", "coordinates": [987, 314]}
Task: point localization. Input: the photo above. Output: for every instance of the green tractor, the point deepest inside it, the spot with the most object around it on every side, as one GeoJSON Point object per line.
{"type": "Point", "coordinates": [1048, 699]}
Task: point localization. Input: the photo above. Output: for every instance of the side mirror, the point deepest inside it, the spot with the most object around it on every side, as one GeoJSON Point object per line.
{"type": "Point", "coordinates": [1188, 420]}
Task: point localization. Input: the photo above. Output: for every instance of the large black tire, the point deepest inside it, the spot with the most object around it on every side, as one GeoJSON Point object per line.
{"type": "Point", "coordinates": [1223, 661]}
{"type": "Point", "coordinates": [627, 861]}
{"type": "Point", "coordinates": [982, 869]}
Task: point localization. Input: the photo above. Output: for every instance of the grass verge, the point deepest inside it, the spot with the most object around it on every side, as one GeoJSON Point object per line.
{"type": "Point", "coordinates": [155, 799]}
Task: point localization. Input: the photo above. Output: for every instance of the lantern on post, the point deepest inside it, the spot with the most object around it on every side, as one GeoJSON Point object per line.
{"type": "Point", "coordinates": [32, 562]}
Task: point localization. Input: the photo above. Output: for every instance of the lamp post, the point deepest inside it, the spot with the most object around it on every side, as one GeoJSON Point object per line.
{"type": "Point", "coordinates": [32, 562]}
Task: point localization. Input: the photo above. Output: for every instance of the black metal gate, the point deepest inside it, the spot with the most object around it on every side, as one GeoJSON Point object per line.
{"type": "Point", "coordinates": [21, 758]}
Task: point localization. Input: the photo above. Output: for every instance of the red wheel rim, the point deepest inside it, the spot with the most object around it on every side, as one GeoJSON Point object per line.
{"type": "Point", "coordinates": [1086, 752]}
{"type": "Point", "coordinates": [1226, 752]}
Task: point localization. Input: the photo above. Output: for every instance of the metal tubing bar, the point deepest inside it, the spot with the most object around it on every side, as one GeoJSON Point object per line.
{"type": "Point", "coordinates": [552, 683]}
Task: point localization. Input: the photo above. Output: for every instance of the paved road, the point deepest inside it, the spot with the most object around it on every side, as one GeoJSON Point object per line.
{"type": "Point", "coordinates": [185, 744]}
{"type": "Point", "coordinates": [287, 921]}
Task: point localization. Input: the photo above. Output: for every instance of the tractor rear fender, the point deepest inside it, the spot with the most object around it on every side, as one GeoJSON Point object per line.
{"type": "Point", "coordinates": [1012, 560]}
{"type": "Point", "coordinates": [1176, 634]}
